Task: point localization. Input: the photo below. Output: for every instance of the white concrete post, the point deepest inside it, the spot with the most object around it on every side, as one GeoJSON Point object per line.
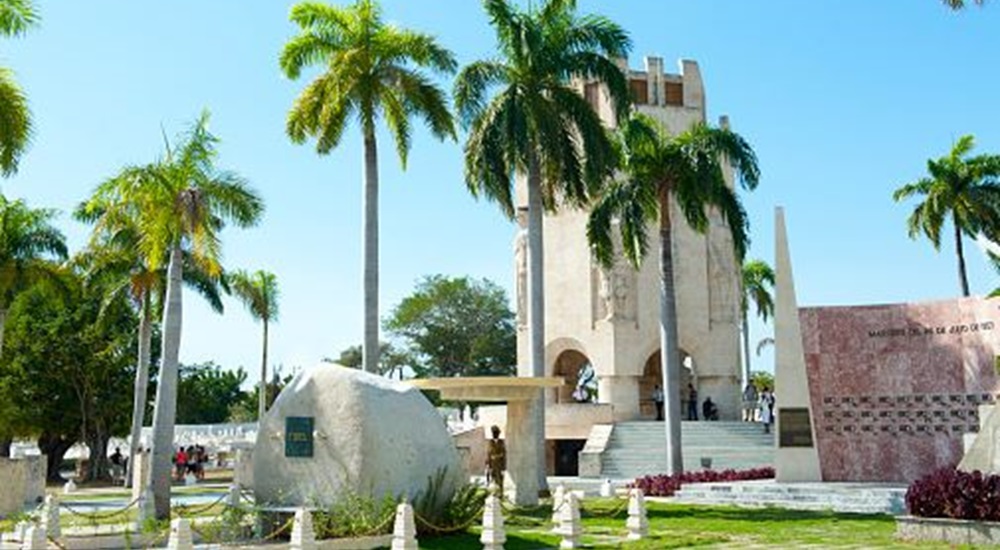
{"type": "Point", "coordinates": [493, 535]}
{"type": "Point", "coordinates": [303, 536]}
{"type": "Point", "coordinates": [557, 501]}
{"type": "Point", "coordinates": [233, 499]}
{"type": "Point", "coordinates": [569, 522]}
{"type": "Point", "coordinates": [607, 490]}
{"type": "Point", "coordinates": [34, 539]}
{"type": "Point", "coordinates": [637, 524]}
{"type": "Point", "coordinates": [69, 487]}
{"type": "Point", "coordinates": [145, 507]}
{"type": "Point", "coordinates": [50, 517]}
{"type": "Point", "coordinates": [180, 535]}
{"type": "Point", "coordinates": [404, 531]}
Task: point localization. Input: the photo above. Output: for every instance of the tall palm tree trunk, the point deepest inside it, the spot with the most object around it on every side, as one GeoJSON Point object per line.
{"type": "Point", "coordinates": [962, 278]}
{"type": "Point", "coordinates": [3, 326]}
{"type": "Point", "coordinates": [536, 315]}
{"type": "Point", "coordinates": [5, 442]}
{"type": "Point", "coordinates": [141, 383]}
{"type": "Point", "coordinates": [263, 379]}
{"type": "Point", "coordinates": [369, 355]}
{"type": "Point", "coordinates": [669, 355]}
{"type": "Point", "coordinates": [746, 350]}
{"type": "Point", "coordinates": [165, 412]}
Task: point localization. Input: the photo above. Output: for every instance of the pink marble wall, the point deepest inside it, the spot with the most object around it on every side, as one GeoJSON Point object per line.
{"type": "Point", "coordinates": [894, 387]}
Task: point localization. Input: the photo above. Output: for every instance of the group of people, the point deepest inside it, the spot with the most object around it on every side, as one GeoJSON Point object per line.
{"type": "Point", "coordinates": [756, 406]}
{"type": "Point", "coordinates": [190, 461]}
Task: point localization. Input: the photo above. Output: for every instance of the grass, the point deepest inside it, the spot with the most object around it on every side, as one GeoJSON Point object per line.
{"type": "Point", "coordinates": [686, 526]}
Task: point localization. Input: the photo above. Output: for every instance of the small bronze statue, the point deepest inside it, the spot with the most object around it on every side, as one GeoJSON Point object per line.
{"type": "Point", "coordinates": [496, 460]}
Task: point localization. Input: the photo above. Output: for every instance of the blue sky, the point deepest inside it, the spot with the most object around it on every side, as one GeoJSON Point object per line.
{"type": "Point", "coordinates": [843, 101]}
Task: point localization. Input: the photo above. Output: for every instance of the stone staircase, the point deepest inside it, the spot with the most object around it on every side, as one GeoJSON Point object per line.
{"type": "Point", "coordinates": [637, 448]}
{"type": "Point", "coordinates": [862, 498]}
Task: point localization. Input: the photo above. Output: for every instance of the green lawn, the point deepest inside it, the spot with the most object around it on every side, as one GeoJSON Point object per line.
{"type": "Point", "coordinates": [683, 526]}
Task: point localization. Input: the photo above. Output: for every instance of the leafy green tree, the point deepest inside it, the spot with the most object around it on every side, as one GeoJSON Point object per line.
{"type": "Point", "coordinates": [762, 379]}
{"type": "Point", "coordinates": [70, 391]}
{"type": "Point", "coordinates": [205, 393]}
{"type": "Point", "coordinates": [391, 359]}
{"type": "Point", "coordinates": [965, 189]}
{"type": "Point", "coordinates": [259, 293]}
{"type": "Point", "coordinates": [180, 202]}
{"type": "Point", "coordinates": [525, 118]}
{"type": "Point", "coordinates": [758, 283]}
{"type": "Point", "coordinates": [16, 17]}
{"type": "Point", "coordinates": [660, 170]}
{"type": "Point", "coordinates": [372, 70]}
{"type": "Point", "coordinates": [959, 4]}
{"type": "Point", "coordinates": [246, 408]}
{"type": "Point", "coordinates": [457, 327]}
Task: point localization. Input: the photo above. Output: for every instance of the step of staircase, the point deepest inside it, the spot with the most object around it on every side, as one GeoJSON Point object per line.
{"type": "Point", "coordinates": [863, 498]}
{"type": "Point", "coordinates": [637, 448]}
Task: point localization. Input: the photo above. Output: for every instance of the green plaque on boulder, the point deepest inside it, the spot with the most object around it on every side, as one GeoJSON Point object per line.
{"type": "Point", "coordinates": [794, 429]}
{"type": "Point", "coordinates": [299, 436]}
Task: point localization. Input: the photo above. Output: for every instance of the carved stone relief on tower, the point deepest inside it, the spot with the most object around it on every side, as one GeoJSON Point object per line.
{"type": "Point", "coordinates": [613, 291]}
{"type": "Point", "coordinates": [521, 276]}
{"type": "Point", "coordinates": [723, 274]}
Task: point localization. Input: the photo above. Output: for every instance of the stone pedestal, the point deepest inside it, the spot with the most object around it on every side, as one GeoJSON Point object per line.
{"type": "Point", "coordinates": [243, 468]}
{"type": "Point", "coordinates": [493, 535]}
{"type": "Point", "coordinates": [607, 490]}
{"type": "Point", "coordinates": [637, 523]}
{"type": "Point", "coordinates": [558, 497]}
{"type": "Point", "coordinates": [303, 537]}
{"type": "Point", "coordinates": [50, 517]}
{"type": "Point", "coordinates": [180, 535]}
{"type": "Point", "coordinates": [35, 539]}
{"type": "Point", "coordinates": [404, 531]}
{"type": "Point", "coordinates": [522, 450]}
{"type": "Point", "coordinates": [623, 393]}
{"type": "Point", "coordinates": [569, 522]}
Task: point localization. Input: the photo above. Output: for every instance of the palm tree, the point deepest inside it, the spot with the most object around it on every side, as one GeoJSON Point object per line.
{"type": "Point", "coordinates": [179, 203]}
{"type": "Point", "coordinates": [259, 293]}
{"type": "Point", "coordinates": [114, 257]}
{"type": "Point", "coordinates": [758, 281]}
{"type": "Point", "coordinates": [28, 245]}
{"type": "Point", "coordinates": [16, 17]}
{"type": "Point", "coordinates": [965, 189]}
{"type": "Point", "coordinates": [959, 4]}
{"type": "Point", "coordinates": [524, 117]}
{"type": "Point", "coordinates": [660, 170]}
{"type": "Point", "coordinates": [371, 71]}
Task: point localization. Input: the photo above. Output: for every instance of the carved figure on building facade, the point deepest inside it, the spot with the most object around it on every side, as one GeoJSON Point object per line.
{"type": "Point", "coordinates": [521, 278]}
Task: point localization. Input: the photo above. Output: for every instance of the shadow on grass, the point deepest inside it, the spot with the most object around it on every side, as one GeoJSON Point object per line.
{"type": "Point", "coordinates": [463, 541]}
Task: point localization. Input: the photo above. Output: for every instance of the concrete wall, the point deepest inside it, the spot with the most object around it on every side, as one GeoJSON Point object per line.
{"type": "Point", "coordinates": [612, 316]}
{"type": "Point", "coordinates": [23, 483]}
{"type": "Point", "coordinates": [472, 449]}
{"type": "Point", "coordinates": [562, 420]}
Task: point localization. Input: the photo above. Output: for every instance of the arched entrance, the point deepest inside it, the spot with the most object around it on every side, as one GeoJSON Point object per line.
{"type": "Point", "coordinates": [571, 365]}
{"type": "Point", "coordinates": [652, 375]}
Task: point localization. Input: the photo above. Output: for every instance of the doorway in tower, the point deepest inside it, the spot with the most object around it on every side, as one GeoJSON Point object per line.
{"type": "Point", "coordinates": [581, 381]}
{"type": "Point", "coordinates": [568, 456]}
{"type": "Point", "coordinates": [652, 375]}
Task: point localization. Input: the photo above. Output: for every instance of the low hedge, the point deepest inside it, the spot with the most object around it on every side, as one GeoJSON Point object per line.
{"type": "Point", "coordinates": [950, 493]}
{"type": "Point", "coordinates": [667, 485]}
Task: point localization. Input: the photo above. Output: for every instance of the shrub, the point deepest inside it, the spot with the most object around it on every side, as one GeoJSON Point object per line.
{"type": "Point", "coordinates": [666, 485]}
{"type": "Point", "coordinates": [950, 493]}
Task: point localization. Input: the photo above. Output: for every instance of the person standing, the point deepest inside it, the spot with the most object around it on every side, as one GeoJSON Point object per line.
{"type": "Point", "coordinates": [658, 401]}
{"type": "Point", "coordinates": [496, 461]}
{"type": "Point", "coordinates": [692, 402]}
{"type": "Point", "coordinates": [750, 398]}
{"type": "Point", "coordinates": [766, 409]}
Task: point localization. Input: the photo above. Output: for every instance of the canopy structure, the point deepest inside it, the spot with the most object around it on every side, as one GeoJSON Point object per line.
{"type": "Point", "coordinates": [523, 396]}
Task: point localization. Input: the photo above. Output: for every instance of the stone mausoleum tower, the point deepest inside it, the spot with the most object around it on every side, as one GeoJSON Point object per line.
{"type": "Point", "coordinates": [610, 317]}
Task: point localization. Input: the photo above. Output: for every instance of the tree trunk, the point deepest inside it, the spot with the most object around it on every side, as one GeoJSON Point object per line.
{"type": "Point", "coordinates": [370, 352]}
{"type": "Point", "coordinates": [263, 379]}
{"type": "Point", "coordinates": [962, 277]}
{"type": "Point", "coordinates": [536, 291]}
{"type": "Point", "coordinates": [5, 445]}
{"type": "Point", "coordinates": [746, 350]}
{"type": "Point", "coordinates": [141, 384]}
{"type": "Point", "coordinates": [669, 355]}
{"type": "Point", "coordinates": [97, 442]}
{"type": "Point", "coordinates": [165, 411]}
{"type": "Point", "coordinates": [54, 447]}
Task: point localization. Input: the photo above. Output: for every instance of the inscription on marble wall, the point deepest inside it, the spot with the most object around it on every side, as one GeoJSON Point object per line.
{"type": "Point", "coordinates": [919, 330]}
{"type": "Point", "coordinates": [906, 415]}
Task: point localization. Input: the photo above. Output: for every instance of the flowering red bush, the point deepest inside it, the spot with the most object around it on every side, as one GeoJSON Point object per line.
{"type": "Point", "coordinates": [665, 486]}
{"type": "Point", "coordinates": [949, 493]}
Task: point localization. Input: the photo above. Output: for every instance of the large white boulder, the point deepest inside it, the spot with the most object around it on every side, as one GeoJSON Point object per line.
{"type": "Point", "coordinates": [372, 437]}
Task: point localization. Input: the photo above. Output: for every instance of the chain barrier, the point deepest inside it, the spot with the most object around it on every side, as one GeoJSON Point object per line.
{"type": "Point", "coordinates": [621, 507]}
{"type": "Point", "coordinates": [280, 530]}
{"type": "Point", "coordinates": [98, 516]}
{"type": "Point", "coordinates": [454, 528]}
{"type": "Point", "coordinates": [56, 542]}
{"type": "Point", "coordinates": [192, 511]}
